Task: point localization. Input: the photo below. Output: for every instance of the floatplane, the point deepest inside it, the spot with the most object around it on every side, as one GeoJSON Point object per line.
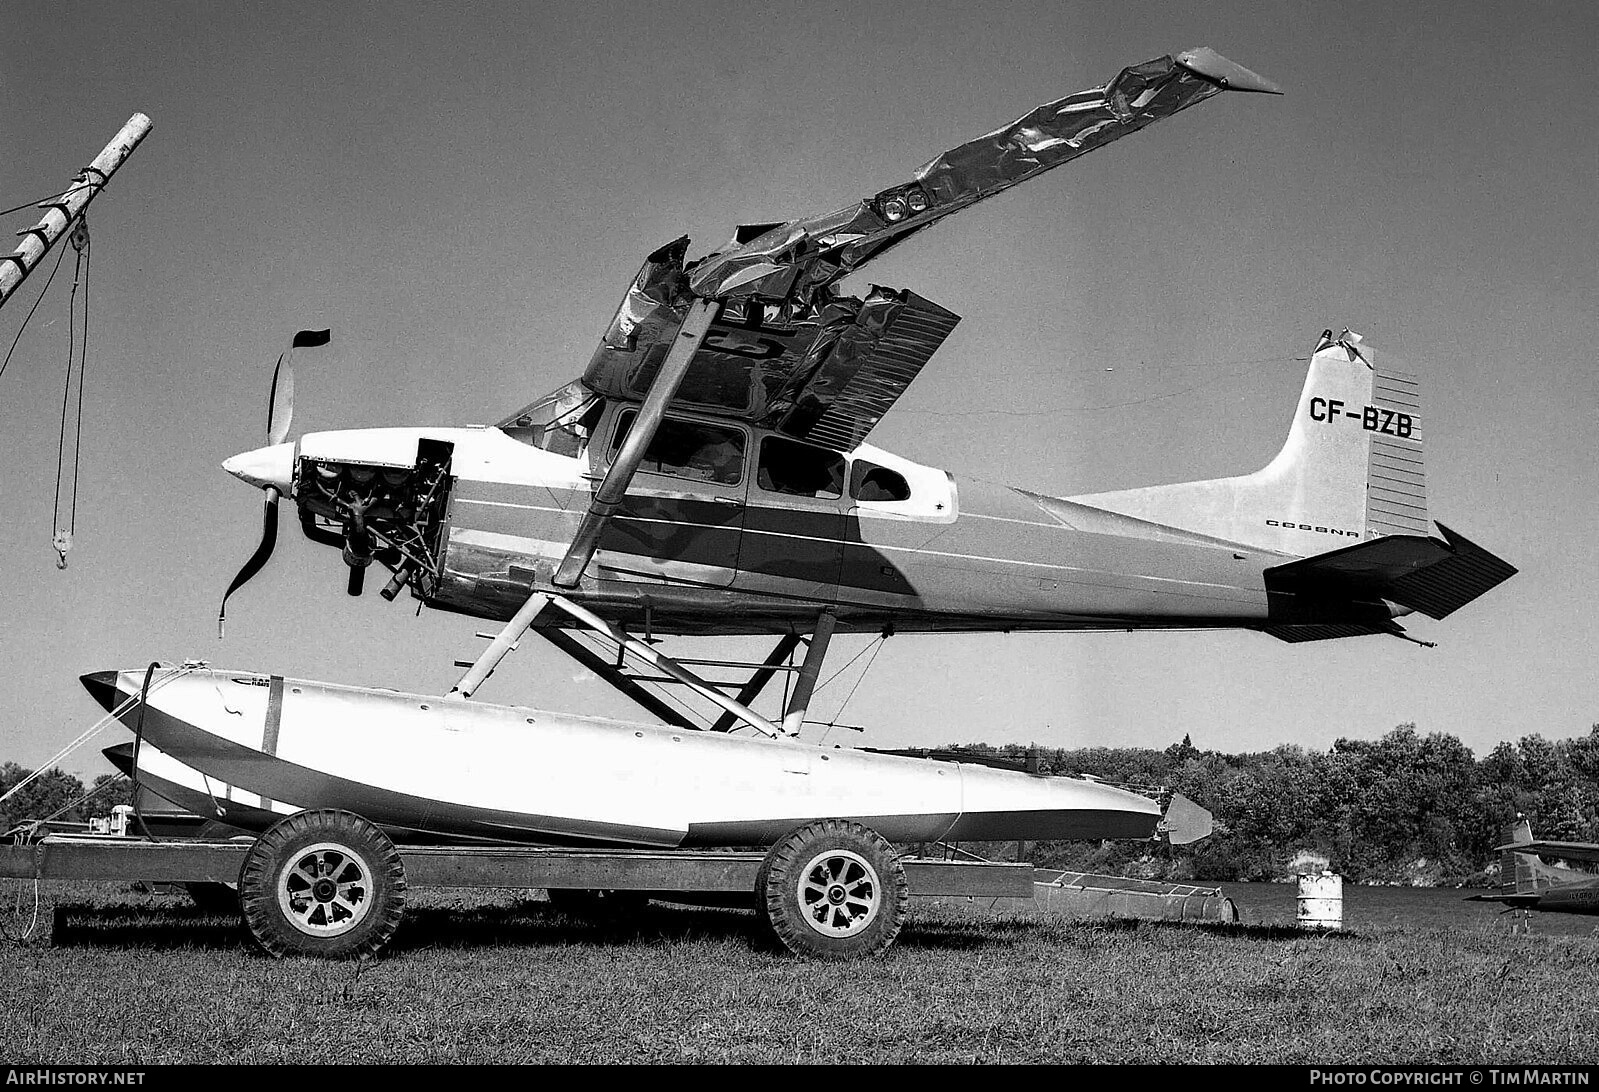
{"type": "Point", "coordinates": [709, 474]}
{"type": "Point", "coordinates": [1529, 880]}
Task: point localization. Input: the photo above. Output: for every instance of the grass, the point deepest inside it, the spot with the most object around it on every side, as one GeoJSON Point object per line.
{"type": "Point", "coordinates": [138, 979]}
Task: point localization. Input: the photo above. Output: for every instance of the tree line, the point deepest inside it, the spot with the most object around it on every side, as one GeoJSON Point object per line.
{"type": "Point", "coordinates": [1407, 808]}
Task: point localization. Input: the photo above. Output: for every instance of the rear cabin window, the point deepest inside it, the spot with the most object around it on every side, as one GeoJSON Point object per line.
{"type": "Point", "coordinates": [870, 482]}
{"type": "Point", "coordinates": [800, 470]}
{"type": "Point", "coordinates": [689, 449]}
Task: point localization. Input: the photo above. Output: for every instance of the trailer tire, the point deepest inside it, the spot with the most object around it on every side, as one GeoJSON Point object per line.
{"type": "Point", "coordinates": [323, 883]}
{"type": "Point", "coordinates": [833, 890]}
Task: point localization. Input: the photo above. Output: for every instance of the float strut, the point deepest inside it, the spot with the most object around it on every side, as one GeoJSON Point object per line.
{"type": "Point", "coordinates": [805, 685]}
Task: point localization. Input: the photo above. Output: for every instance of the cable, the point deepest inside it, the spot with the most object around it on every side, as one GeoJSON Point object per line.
{"type": "Point", "coordinates": [50, 197]}
{"type": "Point", "coordinates": [83, 364]}
{"type": "Point", "coordinates": [846, 667]}
{"type": "Point", "coordinates": [31, 310]}
{"type": "Point", "coordinates": [93, 730]}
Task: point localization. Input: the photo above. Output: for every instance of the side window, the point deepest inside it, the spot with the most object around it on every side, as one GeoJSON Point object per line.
{"type": "Point", "coordinates": [870, 482]}
{"type": "Point", "coordinates": [689, 449]}
{"type": "Point", "coordinates": [788, 466]}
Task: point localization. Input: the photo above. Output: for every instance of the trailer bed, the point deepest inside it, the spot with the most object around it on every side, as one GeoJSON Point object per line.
{"type": "Point", "coordinates": [116, 858]}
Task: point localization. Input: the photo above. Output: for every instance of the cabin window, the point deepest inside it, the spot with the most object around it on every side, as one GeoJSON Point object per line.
{"type": "Point", "coordinates": [689, 449]}
{"type": "Point", "coordinates": [870, 482]}
{"type": "Point", "coordinates": [788, 466]}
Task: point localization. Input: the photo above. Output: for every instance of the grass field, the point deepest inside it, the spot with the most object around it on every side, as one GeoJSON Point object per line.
{"type": "Point", "coordinates": [498, 977]}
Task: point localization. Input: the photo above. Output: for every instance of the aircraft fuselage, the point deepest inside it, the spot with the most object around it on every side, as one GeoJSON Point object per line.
{"type": "Point", "coordinates": [772, 533]}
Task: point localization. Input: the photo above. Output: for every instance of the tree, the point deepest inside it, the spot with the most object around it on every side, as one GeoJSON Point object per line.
{"type": "Point", "coordinates": [46, 795]}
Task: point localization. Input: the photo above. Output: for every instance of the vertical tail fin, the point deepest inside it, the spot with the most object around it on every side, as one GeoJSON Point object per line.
{"type": "Point", "coordinates": [1518, 872]}
{"type": "Point", "coordinates": [1351, 468]}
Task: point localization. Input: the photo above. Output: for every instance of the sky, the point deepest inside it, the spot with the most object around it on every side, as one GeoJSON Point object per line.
{"type": "Point", "coordinates": [461, 191]}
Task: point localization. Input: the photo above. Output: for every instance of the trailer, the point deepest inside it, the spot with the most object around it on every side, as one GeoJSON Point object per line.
{"type": "Point", "coordinates": [329, 883]}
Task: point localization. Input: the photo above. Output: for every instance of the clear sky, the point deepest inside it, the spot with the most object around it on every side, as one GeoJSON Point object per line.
{"type": "Point", "coordinates": [461, 191]}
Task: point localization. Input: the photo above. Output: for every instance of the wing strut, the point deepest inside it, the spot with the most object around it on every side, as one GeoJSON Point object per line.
{"type": "Point", "coordinates": [805, 685]}
{"type": "Point", "coordinates": [757, 682]}
{"type": "Point", "coordinates": [608, 497]}
{"type": "Point", "coordinates": [480, 669]}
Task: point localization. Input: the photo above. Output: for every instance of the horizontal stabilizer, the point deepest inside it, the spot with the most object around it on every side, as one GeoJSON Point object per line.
{"type": "Point", "coordinates": [1436, 577]}
{"type": "Point", "coordinates": [1565, 851]}
{"type": "Point", "coordinates": [1295, 633]}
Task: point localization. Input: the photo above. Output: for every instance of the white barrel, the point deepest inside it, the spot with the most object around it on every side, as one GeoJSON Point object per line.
{"type": "Point", "coordinates": [1321, 901]}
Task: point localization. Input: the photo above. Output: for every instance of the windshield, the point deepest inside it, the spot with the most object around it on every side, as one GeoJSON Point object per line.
{"type": "Point", "coordinates": [560, 422]}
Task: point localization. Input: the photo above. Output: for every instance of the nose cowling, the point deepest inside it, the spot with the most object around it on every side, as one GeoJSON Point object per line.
{"type": "Point", "coordinates": [265, 467]}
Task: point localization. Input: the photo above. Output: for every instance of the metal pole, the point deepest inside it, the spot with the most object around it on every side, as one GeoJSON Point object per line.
{"type": "Point", "coordinates": [61, 211]}
{"type": "Point", "coordinates": [500, 647]}
{"type": "Point", "coordinates": [806, 683]}
{"type": "Point", "coordinates": [608, 497]}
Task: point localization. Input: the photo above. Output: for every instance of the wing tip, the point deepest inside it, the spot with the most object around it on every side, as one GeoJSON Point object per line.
{"type": "Point", "coordinates": [1206, 62]}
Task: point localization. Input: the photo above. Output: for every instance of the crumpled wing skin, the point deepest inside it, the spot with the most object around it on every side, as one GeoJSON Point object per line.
{"type": "Point", "coordinates": [787, 350]}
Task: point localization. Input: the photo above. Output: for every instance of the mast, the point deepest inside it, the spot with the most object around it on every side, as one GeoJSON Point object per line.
{"type": "Point", "coordinates": [61, 211]}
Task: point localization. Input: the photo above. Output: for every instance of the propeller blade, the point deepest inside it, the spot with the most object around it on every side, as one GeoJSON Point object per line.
{"type": "Point", "coordinates": [280, 403]}
{"type": "Point", "coordinates": [269, 539]}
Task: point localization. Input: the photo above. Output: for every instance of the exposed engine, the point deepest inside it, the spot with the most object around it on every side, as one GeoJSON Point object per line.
{"type": "Point", "coordinates": [393, 515]}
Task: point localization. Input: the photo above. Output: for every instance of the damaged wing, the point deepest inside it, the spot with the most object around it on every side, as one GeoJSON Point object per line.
{"type": "Point", "coordinates": [787, 351]}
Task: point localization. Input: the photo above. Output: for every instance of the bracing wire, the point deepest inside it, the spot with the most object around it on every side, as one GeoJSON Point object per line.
{"type": "Point", "coordinates": [77, 358]}
{"type": "Point", "coordinates": [3, 363]}
{"type": "Point", "coordinates": [52, 197]}
{"type": "Point", "coordinates": [83, 364]}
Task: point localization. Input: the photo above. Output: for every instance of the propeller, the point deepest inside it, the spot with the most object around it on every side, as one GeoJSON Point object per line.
{"type": "Point", "coordinates": [280, 414]}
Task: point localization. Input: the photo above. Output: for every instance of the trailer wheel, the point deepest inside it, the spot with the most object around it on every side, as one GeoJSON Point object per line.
{"type": "Point", "coordinates": [325, 883]}
{"type": "Point", "coordinates": [834, 890]}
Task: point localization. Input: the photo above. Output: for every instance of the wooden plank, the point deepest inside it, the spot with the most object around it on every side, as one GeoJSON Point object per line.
{"type": "Point", "coordinates": [612, 870]}
{"type": "Point", "coordinates": [126, 859]}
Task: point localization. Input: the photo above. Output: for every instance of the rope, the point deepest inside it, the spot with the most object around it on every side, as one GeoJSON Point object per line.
{"type": "Point", "coordinates": [51, 197]}
{"type": "Point", "coordinates": [83, 364]}
{"type": "Point", "coordinates": [62, 254]}
{"type": "Point", "coordinates": [126, 704]}
{"type": "Point", "coordinates": [62, 537]}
